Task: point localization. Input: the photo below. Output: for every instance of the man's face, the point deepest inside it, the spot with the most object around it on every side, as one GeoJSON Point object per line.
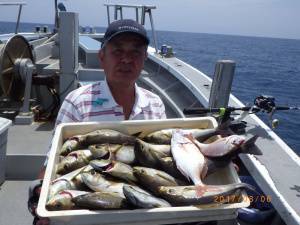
{"type": "Point", "coordinates": [123, 58]}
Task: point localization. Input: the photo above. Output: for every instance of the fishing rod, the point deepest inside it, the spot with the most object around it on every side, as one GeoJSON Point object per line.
{"type": "Point", "coordinates": [262, 103]}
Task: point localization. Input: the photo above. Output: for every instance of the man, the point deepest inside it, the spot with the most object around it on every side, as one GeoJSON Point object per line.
{"type": "Point", "coordinates": [122, 56]}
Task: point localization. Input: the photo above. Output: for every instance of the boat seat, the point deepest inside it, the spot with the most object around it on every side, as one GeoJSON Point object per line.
{"type": "Point", "coordinates": [90, 49]}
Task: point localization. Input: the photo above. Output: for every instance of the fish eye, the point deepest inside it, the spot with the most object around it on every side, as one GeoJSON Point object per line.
{"type": "Point", "coordinates": [171, 191]}
{"type": "Point", "coordinates": [236, 141]}
{"type": "Point", "coordinates": [58, 205]}
{"type": "Point", "coordinates": [66, 166]}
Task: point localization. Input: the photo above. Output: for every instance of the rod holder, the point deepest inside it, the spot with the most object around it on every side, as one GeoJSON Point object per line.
{"type": "Point", "coordinates": [221, 86]}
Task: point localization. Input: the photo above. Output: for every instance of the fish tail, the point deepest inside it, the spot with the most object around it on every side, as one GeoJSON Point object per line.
{"type": "Point", "coordinates": [203, 189]}
{"type": "Point", "coordinates": [247, 187]}
{"type": "Point", "coordinates": [183, 173]}
{"type": "Point", "coordinates": [204, 170]}
{"type": "Point", "coordinates": [230, 188]}
{"type": "Point", "coordinates": [248, 147]}
{"type": "Point", "coordinates": [137, 134]}
{"type": "Point", "coordinates": [200, 189]}
{"type": "Point", "coordinates": [189, 136]}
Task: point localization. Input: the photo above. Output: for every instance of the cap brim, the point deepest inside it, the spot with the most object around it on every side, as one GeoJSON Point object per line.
{"type": "Point", "coordinates": [146, 39]}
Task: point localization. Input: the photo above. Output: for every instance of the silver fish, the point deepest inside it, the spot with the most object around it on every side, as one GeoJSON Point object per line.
{"type": "Point", "coordinates": [74, 160]}
{"type": "Point", "coordinates": [159, 137]}
{"type": "Point", "coordinates": [64, 182]}
{"type": "Point", "coordinates": [70, 145]}
{"type": "Point", "coordinates": [100, 151]}
{"type": "Point", "coordinates": [151, 179]}
{"type": "Point", "coordinates": [100, 200]}
{"type": "Point", "coordinates": [107, 136]}
{"type": "Point", "coordinates": [114, 168]}
{"type": "Point", "coordinates": [63, 200]}
{"type": "Point", "coordinates": [148, 154]}
{"type": "Point", "coordinates": [143, 199]}
{"type": "Point", "coordinates": [201, 194]}
{"type": "Point", "coordinates": [98, 182]}
{"type": "Point", "coordinates": [122, 153]}
{"type": "Point", "coordinates": [169, 166]}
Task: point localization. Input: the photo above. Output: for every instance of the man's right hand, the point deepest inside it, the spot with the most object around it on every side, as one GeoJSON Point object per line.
{"type": "Point", "coordinates": [34, 195]}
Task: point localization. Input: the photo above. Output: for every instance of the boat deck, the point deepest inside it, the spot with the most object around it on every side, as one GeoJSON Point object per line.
{"type": "Point", "coordinates": [27, 147]}
{"type": "Point", "coordinates": [26, 152]}
{"type": "Point", "coordinates": [13, 203]}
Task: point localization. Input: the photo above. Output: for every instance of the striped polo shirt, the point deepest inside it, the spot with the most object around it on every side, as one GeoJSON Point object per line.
{"type": "Point", "coordinates": [94, 102]}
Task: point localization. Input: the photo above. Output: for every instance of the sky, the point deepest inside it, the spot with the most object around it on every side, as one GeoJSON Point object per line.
{"type": "Point", "coordinates": [265, 18]}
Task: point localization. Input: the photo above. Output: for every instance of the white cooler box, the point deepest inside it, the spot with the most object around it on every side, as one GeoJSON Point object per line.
{"type": "Point", "coordinates": [4, 125]}
{"type": "Point", "coordinates": [138, 216]}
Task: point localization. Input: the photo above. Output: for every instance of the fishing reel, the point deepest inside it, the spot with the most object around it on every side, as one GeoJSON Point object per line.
{"type": "Point", "coordinates": [267, 104]}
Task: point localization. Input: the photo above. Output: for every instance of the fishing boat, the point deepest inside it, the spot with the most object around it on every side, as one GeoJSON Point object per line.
{"type": "Point", "coordinates": [38, 69]}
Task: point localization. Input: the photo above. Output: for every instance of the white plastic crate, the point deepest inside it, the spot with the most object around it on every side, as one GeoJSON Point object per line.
{"type": "Point", "coordinates": [138, 216]}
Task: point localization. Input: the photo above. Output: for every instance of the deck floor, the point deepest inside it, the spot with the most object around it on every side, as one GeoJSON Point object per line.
{"type": "Point", "coordinates": [13, 203]}
{"type": "Point", "coordinates": [33, 139]}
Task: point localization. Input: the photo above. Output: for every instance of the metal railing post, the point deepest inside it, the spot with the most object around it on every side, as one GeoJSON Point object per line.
{"type": "Point", "coordinates": [18, 20]}
{"type": "Point", "coordinates": [108, 14]}
{"type": "Point", "coordinates": [143, 16]}
{"type": "Point", "coordinates": [121, 12]}
{"type": "Point", "coordinates": [116, 13]}
{"type": "Point", "coordinates": [153, 30]}
{"type": "Point", "coordinates": [137, 14]}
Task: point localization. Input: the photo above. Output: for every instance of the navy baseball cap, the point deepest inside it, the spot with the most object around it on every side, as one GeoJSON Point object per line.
{"type": "Point", "coordinates": [124, 26]}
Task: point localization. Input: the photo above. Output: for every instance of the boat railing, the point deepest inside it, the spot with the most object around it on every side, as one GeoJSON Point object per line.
{"type": "Point", "coordinates": [20, 4]}
{"type": "Point", "coordinates": [145, 9]}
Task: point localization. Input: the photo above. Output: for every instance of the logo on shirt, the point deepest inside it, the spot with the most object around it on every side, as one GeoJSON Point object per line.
{"type": "Point", "coordinates": [99, 101]}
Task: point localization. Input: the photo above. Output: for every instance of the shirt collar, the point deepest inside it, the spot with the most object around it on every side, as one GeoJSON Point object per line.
{"type": "Point", "coordinates": [107, 95]}
{"type": "Point", "coordinates": [141, 100]}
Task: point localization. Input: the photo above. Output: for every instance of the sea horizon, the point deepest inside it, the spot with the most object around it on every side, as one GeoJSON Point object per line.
{"type": "Point", "coordinates": [103, 28]}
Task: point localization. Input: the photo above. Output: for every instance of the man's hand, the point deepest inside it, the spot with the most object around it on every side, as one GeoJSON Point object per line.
{"type": "Point", "coordinates": [34, 195]}
{"type": "Point", "coordinates": [40, 221]}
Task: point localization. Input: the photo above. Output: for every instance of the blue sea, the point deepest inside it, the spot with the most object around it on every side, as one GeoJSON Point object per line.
{"type": "Point", "coordinates": [268, 66]}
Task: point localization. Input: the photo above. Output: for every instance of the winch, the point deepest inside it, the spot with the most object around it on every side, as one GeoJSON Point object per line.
{"type": "Point", "coordinates": [18, 73]}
